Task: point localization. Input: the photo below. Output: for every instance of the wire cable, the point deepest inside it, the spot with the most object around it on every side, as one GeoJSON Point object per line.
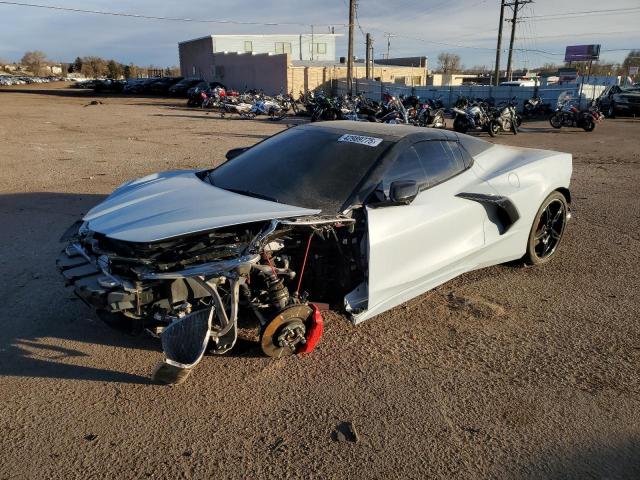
{"type": "Point", "coordinates": [171, 19]}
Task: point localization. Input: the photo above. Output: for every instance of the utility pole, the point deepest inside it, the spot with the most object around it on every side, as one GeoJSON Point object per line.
{"type": "Point", "coordinates": [513, 37]}
{"type": "Point", "coordinates": [388, 35]}
{"type": "Point", "coordinates": [496, 73]}
{"type": "Point", "coordinates": [352, 14]}
{"type": "Point", "coordinates": [516, 5]}
{"type": "Point", "coordinates": [368, 56]}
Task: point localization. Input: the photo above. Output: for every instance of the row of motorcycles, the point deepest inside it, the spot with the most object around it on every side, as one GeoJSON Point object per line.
{"type": "Point", "coordinates": [249, 104]}
{"type": "Point", "coordinates": [469, 114]}
{"type": "Point", "coordinates": [318, 106]}
{"type": "Point", "coordinates": [394, 110]}
{"type": "Point", "coordinates": [483, 115]}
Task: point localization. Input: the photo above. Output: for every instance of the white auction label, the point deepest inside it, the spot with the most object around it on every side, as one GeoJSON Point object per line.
{"type": "Point", "coordinates": [361, 139]}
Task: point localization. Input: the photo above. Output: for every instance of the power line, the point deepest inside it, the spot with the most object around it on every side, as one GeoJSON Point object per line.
{"type": "Point", "coordinates": [613, 11]}
{"type": "Point", "coordinates": [170, 19]}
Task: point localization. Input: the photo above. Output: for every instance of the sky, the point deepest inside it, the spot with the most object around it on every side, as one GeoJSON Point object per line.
{"type": "Point", "coordinates": [419, 27]}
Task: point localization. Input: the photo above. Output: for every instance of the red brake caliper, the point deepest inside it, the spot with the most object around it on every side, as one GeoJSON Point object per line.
{"type": "Point", "coordinates": [314, 331]}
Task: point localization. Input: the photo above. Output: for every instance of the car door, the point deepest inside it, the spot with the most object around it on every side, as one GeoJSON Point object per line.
{"type": "Point", "coordinates": [415, 247]}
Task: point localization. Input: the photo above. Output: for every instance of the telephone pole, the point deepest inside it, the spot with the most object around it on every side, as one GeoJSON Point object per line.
{"type": "Point", "coordinates": [389, 36]}
{"type": "Point", "coordinates": [352, 14]}
{"type": "Point", "coordinates": [368, 56]}
{"type": "Point", "coordinates": [496, 73]}
{"type": "Point", "coordinates": [516, 5]}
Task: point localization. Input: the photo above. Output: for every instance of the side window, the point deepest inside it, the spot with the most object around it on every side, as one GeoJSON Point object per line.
{"type": "Point", "coordinates": [406, 167]}
{"type": "Point", "coordinates": [440, 159]}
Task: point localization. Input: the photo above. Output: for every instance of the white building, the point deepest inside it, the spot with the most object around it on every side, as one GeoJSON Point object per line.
{"type": "Point", "coordinates": [317, 46]}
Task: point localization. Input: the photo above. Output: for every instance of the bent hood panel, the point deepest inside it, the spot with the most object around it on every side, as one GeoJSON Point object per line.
{"type": "Point", "coordinates": [170, 204]}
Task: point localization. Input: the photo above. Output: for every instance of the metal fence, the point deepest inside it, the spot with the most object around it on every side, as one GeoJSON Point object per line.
{"type": "Point", "coordinates": [450, 94]}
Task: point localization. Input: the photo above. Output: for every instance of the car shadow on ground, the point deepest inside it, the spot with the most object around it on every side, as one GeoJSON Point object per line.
{"type": "Point", "coordinates": [45, 330]}
{"type": "Point", "coordinates": [210, 115]}
{"type": "Point", "coordinates": [611, 459]}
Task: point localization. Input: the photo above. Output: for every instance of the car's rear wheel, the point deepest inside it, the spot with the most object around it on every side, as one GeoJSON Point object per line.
{"type": "Point", "coordinates": [547, 229]}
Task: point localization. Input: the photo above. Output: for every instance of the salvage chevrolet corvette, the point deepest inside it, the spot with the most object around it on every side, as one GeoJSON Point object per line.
{"type": "Point", "coordinates": [358, 216]}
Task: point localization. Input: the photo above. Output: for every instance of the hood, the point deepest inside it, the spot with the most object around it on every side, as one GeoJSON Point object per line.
{"type": "Point", "coordinates": [171, 204]}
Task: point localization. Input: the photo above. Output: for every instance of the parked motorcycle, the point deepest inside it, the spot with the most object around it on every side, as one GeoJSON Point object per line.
{"type": "Point", "coordinates": [535, 107]}
{"type": "Point", "coordinates": [471, 116]}
{"type": "Point", "coordinates": [504, 119]}
{"type": "Point", "coordinates": [429, 115]}
{"type": "Point", "coordinates": [569, 115]}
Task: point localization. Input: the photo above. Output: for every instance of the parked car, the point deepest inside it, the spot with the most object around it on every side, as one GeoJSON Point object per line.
{"type": "Point", "coordinates": [617, 100]}
{"type": "Point", "coordinates": [361, 216]}
{"type": "Point", "coordinates": [162, 86]}
{"type": "Point", "coordinates": [181, 88]}
{"type": "Point", "coordinates": [139, 85]}
{"type": "Point", "coordinates": [109, 86]}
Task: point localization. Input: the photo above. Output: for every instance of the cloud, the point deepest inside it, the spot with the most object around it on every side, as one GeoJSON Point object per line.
{"type": "Point", "coordinates": [465, 27]}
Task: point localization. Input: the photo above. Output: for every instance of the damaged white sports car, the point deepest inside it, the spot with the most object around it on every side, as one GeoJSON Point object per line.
{"type": "Point", "coordinates": [356, 216]}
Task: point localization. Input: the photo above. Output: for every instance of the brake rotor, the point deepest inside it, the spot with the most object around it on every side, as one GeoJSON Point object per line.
{"type": "Point", "coordinates": [282, 335]}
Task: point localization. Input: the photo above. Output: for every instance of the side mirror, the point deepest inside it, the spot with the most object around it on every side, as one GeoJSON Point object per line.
{"type": "Point", "coordinates": [403, 192]}
{"type": "Point", "coordinates": [234, 152]}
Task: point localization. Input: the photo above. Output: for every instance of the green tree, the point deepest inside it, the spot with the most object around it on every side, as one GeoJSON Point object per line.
{"type": "Point", "coordinates": [76, 66]}
{"type": "Point", "coordinates": [35, 61]}
{"type": "Point", "coordinates": [114, 69]}
{"type": "Point", "coordinates": [130, 71]}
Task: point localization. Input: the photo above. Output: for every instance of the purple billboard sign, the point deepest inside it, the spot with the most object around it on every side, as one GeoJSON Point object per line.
{"type": "Point", "coordinates": [582, 53]}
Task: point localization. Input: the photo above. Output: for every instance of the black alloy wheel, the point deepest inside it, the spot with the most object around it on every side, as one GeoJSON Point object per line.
{"type": "Point", "coordinates": [547, 230]}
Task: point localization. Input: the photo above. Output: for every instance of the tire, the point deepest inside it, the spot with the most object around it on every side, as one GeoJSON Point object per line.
{"type": "Point", "coordinates": [547, 230]}
{"type": "Point", "coordinates": [611, 111]}
{"type": "Point", "coordinates": [514, 127]}
{"type": "Point", "coordinates": [460, 125]}
{"type": "Point", "coordinates": [494, 128]}
{"type": "Point", "coordinates": [588, 124]}
{"type": "Point", "coordinates": [555, 120]}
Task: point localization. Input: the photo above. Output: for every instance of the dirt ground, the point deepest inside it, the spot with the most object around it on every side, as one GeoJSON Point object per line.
{"type": "Point", "coordinates": [507, 372]}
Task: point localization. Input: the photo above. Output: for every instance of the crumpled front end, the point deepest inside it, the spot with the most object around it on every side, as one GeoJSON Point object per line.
{"type": "Point", "coordinates": [191, 290]}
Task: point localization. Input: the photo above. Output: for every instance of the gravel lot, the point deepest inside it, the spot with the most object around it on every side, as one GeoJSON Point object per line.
{"type": "Point", "coordinates": [507, 372]}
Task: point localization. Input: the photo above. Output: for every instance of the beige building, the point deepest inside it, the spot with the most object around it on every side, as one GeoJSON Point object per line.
{"type": "Point", "coordinates": [276, 73]}
{"type": "Point", "coordinates": [452, 79]}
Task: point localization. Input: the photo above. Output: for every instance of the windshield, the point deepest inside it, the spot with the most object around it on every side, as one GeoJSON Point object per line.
{"type": "Point", "coordinates": [313, 167]}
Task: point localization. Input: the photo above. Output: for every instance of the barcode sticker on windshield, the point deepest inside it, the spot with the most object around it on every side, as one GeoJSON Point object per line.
{"type": "Point", "coordinates": [361, 139]}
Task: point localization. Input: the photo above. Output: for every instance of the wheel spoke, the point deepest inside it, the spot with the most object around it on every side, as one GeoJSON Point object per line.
{"type": "Point", "coordinates": [550, 229]}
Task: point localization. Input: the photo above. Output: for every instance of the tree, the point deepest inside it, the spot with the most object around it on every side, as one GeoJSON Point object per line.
{"type": "Point", "coordinates": [76, 66]}
{"type": "Point", "coordinates": [632, 60]}
{"type": "Point", "coordinates": [34, 60]}
{"type": "Point", "coordinates": [114, 69]}
{"type": "Point", "coordinates": [448, 63]}
{"type": "Point", "coordinates": [94, 67]}
{"type": "Point", "coordinates": [130, 71]}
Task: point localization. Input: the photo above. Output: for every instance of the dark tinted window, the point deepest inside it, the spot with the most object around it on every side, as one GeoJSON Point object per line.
{"type": "Point", "coordinates": [440, 160]}
{"type": "Point", "coordinates": [305, 167]}
{"type": "Point", "coordinates": [406, 167]}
